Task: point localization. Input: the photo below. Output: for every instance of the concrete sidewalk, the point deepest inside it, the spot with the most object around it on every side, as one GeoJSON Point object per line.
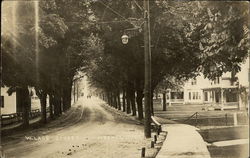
{"type": "Point", "coordinates": [183, 141]}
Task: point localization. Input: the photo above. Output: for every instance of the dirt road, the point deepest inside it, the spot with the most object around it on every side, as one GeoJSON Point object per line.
{"type": "Point", "coordinates": [86, 131]}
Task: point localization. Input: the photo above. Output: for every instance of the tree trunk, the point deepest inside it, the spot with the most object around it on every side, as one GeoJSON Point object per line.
{"type": "Point", "coordinates": [105, 97]}
{"type": "Point", "coordinates": [51, 112]}
{"type": "Point", "coordinates": [67, 98]}
{"type": "Point", "coordinates": [164, 101]}
{"type": "Point", "coordinates": [118, 100]}
{"type": "Point", "coordinates": [152, 104]}
{"type": "Point", "coordinates": [24, 103]}
{"type": "Point", "coordinates": [60, 105]}
{"type": "Point", "coordinates": [123, 101]}
{"type": "Point", "coordinates": [109, 99]}
{"type": "Point", "coordinates": [128, 103]}
{"type": "Point", "coordinates": [19, 99]}
{"type": "Point", "coordinates": [65, 101]}
{"type": "Point", "coordinates": [57, 105]}
{"type": "Point", "coordinates": [43, 101]}
{"type": "Point", "coordinates": [115, 100]}
{"type": "Point", "coordinates": [56, 111]}
{"type": "Point", "coordinates": [139, 98]}
{"type": "Point", "coordinates": [112, 99]}
{"type": "Point", "coordinates": [132, 96]}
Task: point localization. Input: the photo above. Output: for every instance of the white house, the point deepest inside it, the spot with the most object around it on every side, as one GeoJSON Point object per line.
{"type": "Point", "coordinates": [222, 91]}
{"type": "Point", "coordinates": [8, 102]}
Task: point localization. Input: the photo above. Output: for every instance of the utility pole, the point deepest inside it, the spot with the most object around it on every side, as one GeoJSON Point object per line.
{"type": "Point", "coordinates": [147, 58]}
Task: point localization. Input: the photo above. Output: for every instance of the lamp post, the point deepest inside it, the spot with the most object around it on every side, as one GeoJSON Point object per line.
{"type": "Point", "coordinates": [147, 69]}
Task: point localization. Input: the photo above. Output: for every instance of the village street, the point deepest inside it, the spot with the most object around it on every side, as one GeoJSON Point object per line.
{"type": "Point", "coordinates": [92, 129]}
{"type": "Point", "coordinates": [86, 131]}
{"type": "Point", "coordinates": [124, 79]}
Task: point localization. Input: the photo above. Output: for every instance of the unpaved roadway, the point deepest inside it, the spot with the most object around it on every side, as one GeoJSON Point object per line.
{"type": "Point", "coordinates": [85, 131]}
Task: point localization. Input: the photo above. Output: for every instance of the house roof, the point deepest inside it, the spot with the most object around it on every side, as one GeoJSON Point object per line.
{"type": "Point", "coordinates": [220, 87]}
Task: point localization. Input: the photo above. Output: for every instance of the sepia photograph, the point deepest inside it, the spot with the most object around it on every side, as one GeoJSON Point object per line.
{"type": "Point", "coordinates": [124, 79]}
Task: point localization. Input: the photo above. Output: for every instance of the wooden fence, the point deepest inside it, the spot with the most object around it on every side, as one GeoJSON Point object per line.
{"type": "Point", "coordinates": [8, 119]}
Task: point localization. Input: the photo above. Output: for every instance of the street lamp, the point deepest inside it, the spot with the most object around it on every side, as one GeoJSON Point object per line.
{"type": "Point", "coordinates": [124, 39]}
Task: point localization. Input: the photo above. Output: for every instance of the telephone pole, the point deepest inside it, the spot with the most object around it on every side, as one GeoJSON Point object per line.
{"type": "Point", "coordinates": [147, 58]}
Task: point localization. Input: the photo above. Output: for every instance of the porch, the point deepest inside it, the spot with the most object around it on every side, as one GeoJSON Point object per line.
{"type": "Point", "coordinates": [222, 97]}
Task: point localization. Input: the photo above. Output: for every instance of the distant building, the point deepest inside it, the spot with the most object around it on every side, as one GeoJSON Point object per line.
{"type": "Point", "coordinates": [221, 91]}
{"type": "Point", "coordinates": [228, 91]}
{"type": "Point", "coordinates": [9, 102]}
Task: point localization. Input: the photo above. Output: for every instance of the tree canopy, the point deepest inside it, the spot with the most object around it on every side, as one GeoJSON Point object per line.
{"type": "Point", "coordinates": [188, 38]}
{"type": "Point", "coordinates": [46, 46]}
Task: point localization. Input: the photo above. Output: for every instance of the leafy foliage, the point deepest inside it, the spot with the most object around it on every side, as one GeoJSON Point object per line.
{"type": "Point", "coordinates": [187, 39]}
{"type": "Point", "coordinates": [46, 56]}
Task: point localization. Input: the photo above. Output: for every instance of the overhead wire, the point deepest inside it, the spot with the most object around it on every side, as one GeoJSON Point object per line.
{"type": "Point", "coordinates": [113, 10]}
{"type": "Point", "coordinates": [138, 6]}
{"type": "Point", "coordinates": [75, 22]}
{"type": "Point", "coordinates": [100, 22]}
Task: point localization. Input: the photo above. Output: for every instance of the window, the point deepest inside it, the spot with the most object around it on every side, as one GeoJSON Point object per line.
{"type": "Point", "coordinates": [217, 80]}
{"type": "Point", "coordinates": [177, 95]}
{"type": "Point", "coordinates": [206, 96]}
{"type": "Point", "coordinates": [2, 101]}
{"type": "Point", "coordinates": [193, 82]}
{"type": "Point", "coordinates": [193, 95]}
{"type": "Point", "coordinates": [231, 96]}
{"type": "Point", "coordinates": [212, 95]}
{"type": "Point", "coordinates": [196, 95]}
